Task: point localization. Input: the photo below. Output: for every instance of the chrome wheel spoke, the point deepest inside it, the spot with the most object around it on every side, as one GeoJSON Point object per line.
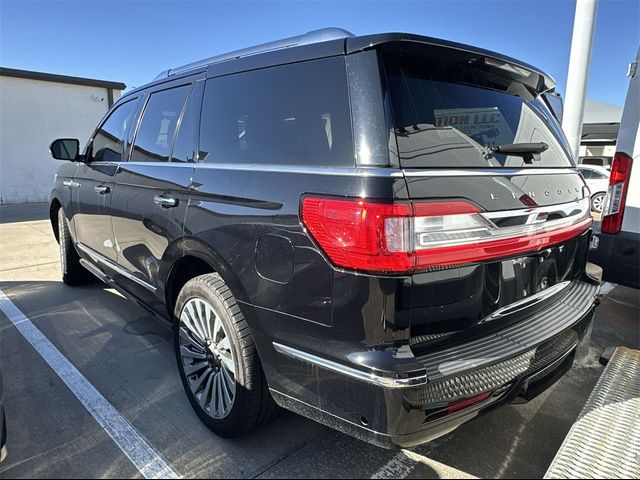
{"type": "Point", "coordinates": [219, 396]}
{"type": "Point", "coordinates": [195, 367]}
{"type": "Point", "coordinates": [200, 312]}
{"type": "Point", "coordinates": [230, 381]}
{"type": "Point", "coordinates": [195, 385]}
{"type": "Point", "coordinates": [216, 329]}
{"type": "Point", "coordinates": [206, 394]}
{"type": "Point", "coordinates": [207, 313]}
{"type": "Point", "coordinates": [224, 383]}
{"type": "Point", "coordinates": [188, 322]}
{"type": "Point", "coordinates": [227, 362]}
{"type": "Point", "coordinates": [193, 316]}
{"type": "Point", "coordinates": [224, 344]}
{"type": "Point", "coordinates": [187, 352]}
{"type": "Point", "coordinates": [192, 340]}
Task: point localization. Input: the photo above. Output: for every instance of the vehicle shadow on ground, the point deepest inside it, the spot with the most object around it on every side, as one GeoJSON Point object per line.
{"type": "Point", "coordinates": [128, 356]}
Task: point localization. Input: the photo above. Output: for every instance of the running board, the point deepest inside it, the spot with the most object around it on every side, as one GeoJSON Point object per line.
{"type": "Point", "coordinates": [94, 270]}
{"type": "Point", "coordinates": [605, 440]}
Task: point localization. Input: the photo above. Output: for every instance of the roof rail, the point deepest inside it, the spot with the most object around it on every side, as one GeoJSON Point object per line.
{"type": "Point", "coordinates": [315, 36]}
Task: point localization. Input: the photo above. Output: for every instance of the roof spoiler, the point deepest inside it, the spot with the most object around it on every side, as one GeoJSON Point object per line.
{"type": "Point", "coordinates": [546, 84]}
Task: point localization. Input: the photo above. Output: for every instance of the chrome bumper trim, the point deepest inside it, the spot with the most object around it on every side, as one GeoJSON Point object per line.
{"type": "Point", "coordinates": [372, 378]}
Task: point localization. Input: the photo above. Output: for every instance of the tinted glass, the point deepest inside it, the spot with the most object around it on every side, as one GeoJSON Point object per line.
{"type": "Point", "coordinates": [183, 150]}
{"type": "Point", "coordinates": [292, 114]}
{"type": "Point", "coordinates": [586, 173]}
{"type": "Point", "coordinates": [450, 107]}
{"type": "Point", "coordinates": [156, 132]}
{"type": "Point", "coordinates": [600, 161]}
{"type": "Point", "coordinates": [107, 142]}
{"type": "Point", "coordinates": [597, 175]}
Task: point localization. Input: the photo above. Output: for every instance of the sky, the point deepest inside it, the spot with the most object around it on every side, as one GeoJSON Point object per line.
{"type": "Point", "coordinates": [133, 41]}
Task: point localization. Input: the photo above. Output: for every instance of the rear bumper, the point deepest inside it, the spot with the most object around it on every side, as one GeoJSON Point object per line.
{"type": "Point", "coordinates": [392, 411]}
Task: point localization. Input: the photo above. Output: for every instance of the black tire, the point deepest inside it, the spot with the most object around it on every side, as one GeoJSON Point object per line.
{"type": "Point", "coordinates": [253, 404]}
{"type": "Point", "coordinates": [73, 273]}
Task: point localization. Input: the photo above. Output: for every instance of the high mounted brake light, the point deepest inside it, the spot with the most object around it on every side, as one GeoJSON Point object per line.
{"type": "Point", "coordinates": [405, 237]}
{"type": "Point", "coordinates": [613, 211]}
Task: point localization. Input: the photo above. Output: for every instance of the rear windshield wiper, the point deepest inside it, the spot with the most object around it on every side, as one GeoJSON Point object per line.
{"type": "Point", "coordinates": [528, 151]}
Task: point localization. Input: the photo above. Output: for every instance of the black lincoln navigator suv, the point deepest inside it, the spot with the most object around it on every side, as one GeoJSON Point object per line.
{"type": "Point", "coordinates": [384, 233]}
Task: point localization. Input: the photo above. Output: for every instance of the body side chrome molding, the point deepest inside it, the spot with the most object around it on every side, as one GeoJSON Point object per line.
{"type": "Point", "coordinates": [95, 270]}
{"type": "Point", "coordinates": [362, 171]}
{"type": "Point", "coordinates": [378, 380]}
{"type": "Point", "coordinates": [569, 209]}
{"type": "Point", "coordinates": [487, 172]}
{"type": "Point", "coordinates": [344, 171]}
{"type": "Point", "coordinates": [526, 302]}
{"type": "Point", "coordinates": [114, 266]}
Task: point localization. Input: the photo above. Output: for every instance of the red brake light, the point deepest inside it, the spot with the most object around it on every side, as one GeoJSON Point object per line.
{"type": "Point", "coordinates": [616, 200]}
{"type": "Point", "coordinates": [352, 232]}
{"type": "Point", "coordinates": [403, 237]}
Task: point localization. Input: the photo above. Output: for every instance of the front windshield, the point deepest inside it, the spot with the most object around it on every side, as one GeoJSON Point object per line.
{"type": "Point", "coordinates": [451, 107]}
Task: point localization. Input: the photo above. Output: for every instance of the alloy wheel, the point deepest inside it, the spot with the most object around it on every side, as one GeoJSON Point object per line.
{"type": "Point", "coordinates": [207, 358]}
{"type": "Point", "coordinates": [597, 202]}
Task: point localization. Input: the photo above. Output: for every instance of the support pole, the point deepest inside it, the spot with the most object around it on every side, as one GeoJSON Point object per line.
{"type": "Point", "coordinates": [581, 43]}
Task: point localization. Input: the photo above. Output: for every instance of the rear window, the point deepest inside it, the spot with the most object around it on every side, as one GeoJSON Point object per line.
{"type": "Point", "coordinates": [294, 114]}
{"type": "Point", "coordinates": [451, 107]}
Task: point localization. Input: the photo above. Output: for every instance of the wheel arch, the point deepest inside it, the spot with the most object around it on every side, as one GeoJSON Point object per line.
{"type": "Point", "coordinates": [54, 206]}
{"type": "Point", "coordinates": [188, 258]}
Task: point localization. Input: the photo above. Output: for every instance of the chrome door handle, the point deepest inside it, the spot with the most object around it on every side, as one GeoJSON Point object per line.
{"type": "Point", "coordinates": [102, 189]}
{"type": "Point", "coordinates": [70, 184]}
{"type": "Point", "coordinates": [165, 202]}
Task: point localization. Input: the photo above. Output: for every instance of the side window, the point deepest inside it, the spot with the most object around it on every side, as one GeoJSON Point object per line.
{"type": "Point", "coordinates": [292, 114]}
{"type": "Point", "coordinates": [597, 175]}
{"type": "Point", "coordinates": [184, 147]}
{"type": "Point", "coordinates": [586, 173]}
{"type": "Point", "coordinates": [107, 142]}
{"type": "Point", "coordinates": [156, 132]}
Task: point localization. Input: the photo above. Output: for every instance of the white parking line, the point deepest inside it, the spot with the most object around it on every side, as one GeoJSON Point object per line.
{"type": "Point", "coordinates": [404, 462]}
{"type": "Point", "coordinates": [398, 467]}
{"type": "Point", "coordinates": [606, 287]}
{"type": "Point", "coordinates": [143, 456]}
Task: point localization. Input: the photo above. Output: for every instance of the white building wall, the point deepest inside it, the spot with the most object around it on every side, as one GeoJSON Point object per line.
{"type": "Point", "coordinates": [33, 113]}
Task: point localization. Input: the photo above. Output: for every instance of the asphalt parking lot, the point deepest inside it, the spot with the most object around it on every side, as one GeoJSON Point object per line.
{"type": "Point", "coordinates": [128, 357]}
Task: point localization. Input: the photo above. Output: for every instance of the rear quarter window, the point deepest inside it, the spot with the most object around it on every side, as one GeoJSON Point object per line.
{"type": "Point", "coordinates": [294, 114]}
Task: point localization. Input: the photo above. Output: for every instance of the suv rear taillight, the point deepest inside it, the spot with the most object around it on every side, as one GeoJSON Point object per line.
{"type": "Point", "coordinates": [404, 237]}
{"type": "Point", "coordinates": [617, 193]}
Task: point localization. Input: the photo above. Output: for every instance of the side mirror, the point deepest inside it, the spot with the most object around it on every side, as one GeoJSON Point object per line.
{"type": "Point", "coordinates": [65, 149]}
